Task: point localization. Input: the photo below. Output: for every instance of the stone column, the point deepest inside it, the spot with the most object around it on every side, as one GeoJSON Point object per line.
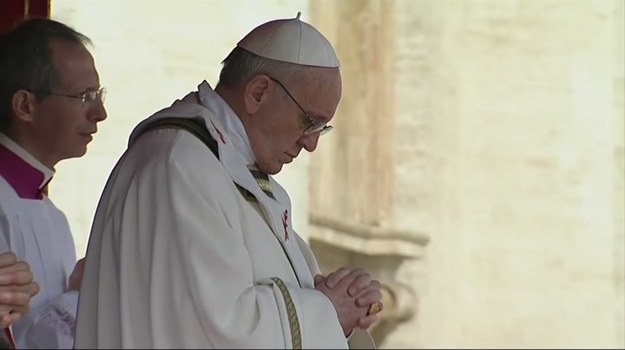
{"type": "Point", "coordinates": [353, 197]}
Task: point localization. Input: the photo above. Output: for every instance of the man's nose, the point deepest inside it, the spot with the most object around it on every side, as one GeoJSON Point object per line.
{"type": "Point", "coordinates": [309, 142]}
{"type": "Point", "coordinates": [97, 111]}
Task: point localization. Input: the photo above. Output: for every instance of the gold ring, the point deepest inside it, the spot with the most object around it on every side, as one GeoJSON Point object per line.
{"type": "Point", "coordinates": [375, 308]}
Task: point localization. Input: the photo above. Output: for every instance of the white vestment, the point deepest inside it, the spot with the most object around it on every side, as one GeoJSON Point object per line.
{"type": "Point", "coordinates": [38, 233]}
{"type": "Point", "coordinates": [179, 258]}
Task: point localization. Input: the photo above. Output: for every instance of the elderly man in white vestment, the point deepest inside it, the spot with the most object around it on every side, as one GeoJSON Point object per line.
{"type": "Point", "coordinates": [192, 244]}
{"type": "Point", "coordinates": [50, 103]}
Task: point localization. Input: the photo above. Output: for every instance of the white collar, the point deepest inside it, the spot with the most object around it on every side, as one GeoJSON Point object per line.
{"type": "Point", "coordinates": [228, 120]}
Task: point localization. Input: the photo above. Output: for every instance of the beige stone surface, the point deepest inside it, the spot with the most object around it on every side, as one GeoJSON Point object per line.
{"type": "Point", "coordinates": [508, 136]}
{"type": "Point", "coordinates": [511, 137]}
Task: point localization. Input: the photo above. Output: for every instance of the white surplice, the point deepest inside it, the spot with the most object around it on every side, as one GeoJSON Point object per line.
{"type": "Point", "coordinates": [179, 258]}
{"type": "Point", "coordinates": [38, 233]}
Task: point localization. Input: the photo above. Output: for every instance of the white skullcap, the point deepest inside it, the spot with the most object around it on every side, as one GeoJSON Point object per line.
{"type": "Point", "coordinates": [290, 40]}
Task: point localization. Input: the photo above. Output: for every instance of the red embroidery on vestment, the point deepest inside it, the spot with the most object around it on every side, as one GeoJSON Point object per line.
{"type": "Point", "coordinates": [285, 224]}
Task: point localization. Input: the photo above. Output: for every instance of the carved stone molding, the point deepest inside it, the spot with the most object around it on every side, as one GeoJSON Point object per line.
{"type": "Point", "coordinates": [379, 251]}
{"type": "Point", "coordinates": [371, 240]}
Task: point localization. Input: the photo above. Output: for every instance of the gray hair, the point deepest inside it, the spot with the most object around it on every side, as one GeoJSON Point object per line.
{"type": "Point", "coordinates": [241, 66]}
{"type": "Point", "coordinates": [26, 60]}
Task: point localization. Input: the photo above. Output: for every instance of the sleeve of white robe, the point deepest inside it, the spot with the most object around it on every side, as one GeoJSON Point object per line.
{"type": "Point", "coordinates": [51, 325]}
{"type": "Point", "coordinates": [200, 273]}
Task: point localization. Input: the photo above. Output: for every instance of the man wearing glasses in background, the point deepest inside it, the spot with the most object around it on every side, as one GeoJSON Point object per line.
{"type": "Point", "coordinates": [192, 244]}
{"type": "Point", "coordinates": [50, 104]}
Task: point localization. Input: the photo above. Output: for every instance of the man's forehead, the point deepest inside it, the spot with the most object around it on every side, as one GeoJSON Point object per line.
{"type": "Point", "coordinates": [321, 106]}
{"type": "Point", "coordinates": [74, 65]}
{"type": "Point", "coordinates": [317, 90]}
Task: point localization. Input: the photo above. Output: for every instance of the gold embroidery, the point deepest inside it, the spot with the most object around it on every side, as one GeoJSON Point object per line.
{"type": "Point", "coordinates": [262, 180]}
{"type": "Point", "coordinates": [246, 194]}
{"type": "Point", "coordinates": [264, 185]}
{"type": "Point", "coordinates": [296, 335]}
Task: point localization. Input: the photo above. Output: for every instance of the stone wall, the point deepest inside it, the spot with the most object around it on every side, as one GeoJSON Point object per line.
{"type": "Point", "coordinates": [508, 138]}
{"type": "Point", "coordinates": [510, 141]}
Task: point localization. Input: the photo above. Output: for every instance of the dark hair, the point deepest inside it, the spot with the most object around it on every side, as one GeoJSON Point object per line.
{"type": "Point", "coordinates": [26, 60]}
{"type": "Point", "coordinates": [241, 65]}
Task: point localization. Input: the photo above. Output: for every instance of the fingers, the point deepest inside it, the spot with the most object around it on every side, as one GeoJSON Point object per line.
{"type": "Point", "coordinates": [318, 279]}
{"type": "Point", "coordinates": [19, 275]}
{"type": "Point", "coordinates": [15, 267]}
{"type": "Point", "coordinates": [335, 277]}
{"type": "Point", "coordinates": [352, 292]}
{"type": "Point", "coordinates": [33, 288]}
{"type": "Point", "coordinates": [16, 288]}
{"type": "Point", "coordinates": [367, 321]}
{"type": "Point", "coordinates": [357, 283]}
{"type": "Point", "coordinates": [75, 279]}
{"type": "Point", "coordinates": [8, 319]}
{"type": "Point", "coordinates": [7, 258]}
{"type": "Point", "coordinates": [370, 295]}
{"type": "Point", "coordinates": [14, 298]}
{"type": "Point", "coordinates": [349, 277]}
{"type": "Point", "coordinates": [362, 281]}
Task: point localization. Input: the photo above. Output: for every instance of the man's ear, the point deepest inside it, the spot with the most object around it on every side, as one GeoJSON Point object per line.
{"type": "Point", "coordinates": [256, 93]}
{"type": "Point", "coordinates": [23, 105]}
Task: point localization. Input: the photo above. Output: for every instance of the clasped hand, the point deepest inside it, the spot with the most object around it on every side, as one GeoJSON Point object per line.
{"type": "Point", "coordinates": [16, 288]}
{"type": "Point", "coordinates": [351, 292]}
